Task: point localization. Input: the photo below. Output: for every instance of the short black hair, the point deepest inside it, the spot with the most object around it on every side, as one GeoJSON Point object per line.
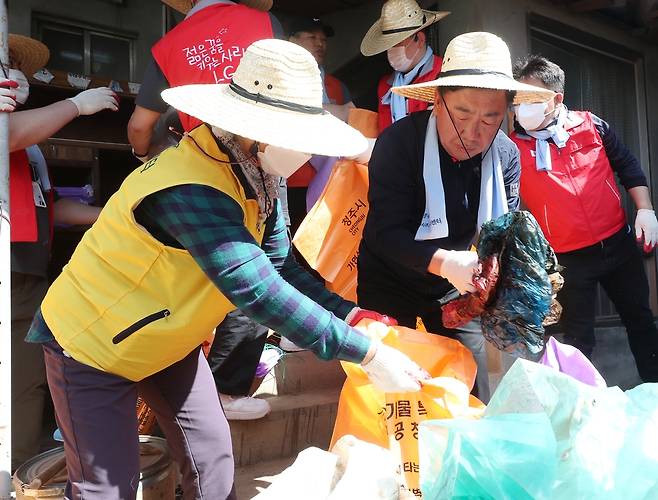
{"type": "Point", "coordinates": [535, 66]}
{"type": "Point", "coordinates": [509, 94]}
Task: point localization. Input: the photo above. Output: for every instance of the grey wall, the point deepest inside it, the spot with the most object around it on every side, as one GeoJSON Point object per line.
{"type": "Point", "coordinates": [140, 16]}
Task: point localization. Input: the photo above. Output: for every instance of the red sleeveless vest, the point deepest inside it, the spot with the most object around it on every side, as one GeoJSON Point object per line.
{"type": "Point", "coordinates": [207, 47]}
{"type": "Point", "coordinates": [23, 212]}
{"type": "Point", "coordinates": [577, 203]}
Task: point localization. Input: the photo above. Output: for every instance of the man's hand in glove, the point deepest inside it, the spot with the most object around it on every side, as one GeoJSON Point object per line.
{"type": "Point", "coordinates": [357, 314]}
{"type": "Point", "coordinates": [647, 225]}
{"type": "Point", "coordinates": [391, 371]}
{"type": "Point", "coordinates": [94, 100]}
{"type": "Point", "coordinates": [457, 267]}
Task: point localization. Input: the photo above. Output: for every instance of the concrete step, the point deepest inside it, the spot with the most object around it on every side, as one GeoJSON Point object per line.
{"type": "Point", "coordinates": [296, 422]}
{"type": "Point", "coordinates": [251, 480]}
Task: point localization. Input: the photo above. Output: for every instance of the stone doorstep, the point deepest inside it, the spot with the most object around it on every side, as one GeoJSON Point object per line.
{"type": "Point", "coordinates": [295, 423]}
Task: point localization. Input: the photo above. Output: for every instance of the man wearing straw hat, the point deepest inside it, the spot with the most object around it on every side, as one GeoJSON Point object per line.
{"type": "Point", "coordinates": [435, 177]}
{"type": "Point", "coordinates": [399, 32]}
{"type": "Point", "coordinates": [172, 252]}
{"type": "Point", "coordinates": [205, 48]}
{"type": "Point", "coordinates": [34, 210]}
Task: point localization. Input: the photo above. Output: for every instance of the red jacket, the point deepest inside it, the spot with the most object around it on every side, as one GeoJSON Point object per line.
{"type": "Point", "coordinates": [577, 203]}
{"type": "Point", "coordinates": [427, 74]}
{"type": "Point", "coordinates": [207, 46]}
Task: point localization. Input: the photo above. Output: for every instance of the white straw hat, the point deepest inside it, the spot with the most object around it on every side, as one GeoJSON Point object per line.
{"type": "Point", "coordinates": [184, 6]}
{"type": "Point", "coordinates": [275, 98]}
{"type": "Point", "coordinates": [399, 20]}
{"type": "Point", "coordinates": [27, 54]}
{"type": "Point", "coordinates": [478, 60]}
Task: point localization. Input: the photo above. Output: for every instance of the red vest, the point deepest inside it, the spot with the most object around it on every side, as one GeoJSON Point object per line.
{"type": "Point", "coordinates": [23, 212]}
{"type": "Point", "coordinates": [413, 105]}
{"type": "Point", "coordinates": [304, 175]}
{"type": "Point", "coordinates": [207, 46]}
{"type": "Point", "coordinates": [577, 203]}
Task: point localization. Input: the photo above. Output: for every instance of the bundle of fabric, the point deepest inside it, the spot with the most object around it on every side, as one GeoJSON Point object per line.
{"type": "Point", "coordinates": [459, 312]}
{"type": "Point", "coordinates": [516, 287]}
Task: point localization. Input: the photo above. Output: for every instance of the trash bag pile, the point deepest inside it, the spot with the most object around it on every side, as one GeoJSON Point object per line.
{"type": "Point", "coordinates": [546, 435]}
{"type": "Point", "coordinates": [514, 317]}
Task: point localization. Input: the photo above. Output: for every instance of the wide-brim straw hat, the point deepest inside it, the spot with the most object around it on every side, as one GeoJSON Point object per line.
{"type": "Point", "coordinates": [477, 60]}
{"type": "Point", "coordinates": [399, 20]}
{"type": "Point", "coordinates": [275, 98]}
{"type": "Point", "coordinates": [27, 54]}
{"type": "Point", "coordinates": [184, 6]}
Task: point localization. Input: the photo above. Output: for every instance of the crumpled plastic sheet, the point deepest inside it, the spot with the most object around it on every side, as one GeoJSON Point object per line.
{"type": "Point", "coordinates": [583, 442]}
{"type": "Point", "coordinates": [513, 321]}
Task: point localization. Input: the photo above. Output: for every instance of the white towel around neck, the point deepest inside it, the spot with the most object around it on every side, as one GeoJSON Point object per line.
{"type": "Point", "coordinates": [493, 200]}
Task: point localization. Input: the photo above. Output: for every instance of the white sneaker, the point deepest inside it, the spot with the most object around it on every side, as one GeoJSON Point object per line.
{"type": "Point", "coordinates": [289, 346]}
{"type": "Point", "coordinates": [244, 407]}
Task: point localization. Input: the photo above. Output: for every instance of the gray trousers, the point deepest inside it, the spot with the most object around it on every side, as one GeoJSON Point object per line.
{"type": "Point", "coordinates": [96, 413]}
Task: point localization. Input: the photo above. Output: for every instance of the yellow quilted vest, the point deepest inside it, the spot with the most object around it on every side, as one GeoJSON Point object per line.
{"type": "Point", "coordinates": [126, 303]}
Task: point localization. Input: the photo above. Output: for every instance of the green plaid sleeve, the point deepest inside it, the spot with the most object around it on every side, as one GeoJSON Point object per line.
{"type": "Point", "coordinates": [210, 225]}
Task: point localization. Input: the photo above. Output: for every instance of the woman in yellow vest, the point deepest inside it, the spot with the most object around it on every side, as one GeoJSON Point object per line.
{"type": "Point", "coordinates": [191, 235]}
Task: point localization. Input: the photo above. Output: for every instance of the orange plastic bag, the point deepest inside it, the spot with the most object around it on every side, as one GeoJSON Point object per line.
{"type": "Point", "coordinates": [329, 236]}
{"type": "Point", "coordinates": [391, 420]}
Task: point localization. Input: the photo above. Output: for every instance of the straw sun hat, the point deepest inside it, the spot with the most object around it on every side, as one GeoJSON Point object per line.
{"type": "Point", "coordinates": [27, 54]}
{"type": "Point", "coordinates": [185, 5]}
{"type": "Point", "coordinates": [399, 20]}
{"type": "Point", "coordinates": [275, 98]}
{"type": "Point", "coordinates": [478, 60]}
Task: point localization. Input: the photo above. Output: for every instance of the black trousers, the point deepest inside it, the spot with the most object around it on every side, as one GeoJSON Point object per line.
{"type": "Point", "coordinates": [615, 263]}
{"type": "Point", "coordinates": [235, 353]}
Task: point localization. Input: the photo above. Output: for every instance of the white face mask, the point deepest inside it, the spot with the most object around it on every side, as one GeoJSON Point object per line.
{"type": "Point", "coordinates": [23, 89]}
{"type": "Point", "coordinates": [531, 116]}
{"type": "Point", "coordinates": [281, 162]}
{"type": "Point", "coordinates": [397, 58]}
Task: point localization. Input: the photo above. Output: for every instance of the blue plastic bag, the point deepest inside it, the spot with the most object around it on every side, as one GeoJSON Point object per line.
{"type": "Point", "coordinates": [488, 458]}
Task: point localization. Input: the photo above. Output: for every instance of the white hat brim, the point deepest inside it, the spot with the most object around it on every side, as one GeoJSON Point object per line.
{"type": "Point", "coordinates": [375, 41]}
{"type": "Point", "coordinates": [217, 105]}
{"type": "Point", "coordinates": [524, 93]}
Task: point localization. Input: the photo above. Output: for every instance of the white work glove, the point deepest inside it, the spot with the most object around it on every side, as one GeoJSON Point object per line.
{"type": "Point", "coordinates": [458, 268]}
{"type": "Point", "coordinates": [7, 96]}
{"type": "Point", "coordinates": [646, 223]}
{"type": "Point", "coordinates": [391, 371]}
{"type": "Point", "coordinates": [94, 100]}
{"type": "Point", "coordinates": [364, 157]}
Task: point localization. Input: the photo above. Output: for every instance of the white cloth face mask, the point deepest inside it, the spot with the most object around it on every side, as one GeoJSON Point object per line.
{"type": "Point", "coordinates": [397, 58]}
{"type": "Point", "coordinates": [23, 89]}
{"type": "Point", "coordinates": [531, 116]}
{"type": "Point", "coordinates": [281, 162]}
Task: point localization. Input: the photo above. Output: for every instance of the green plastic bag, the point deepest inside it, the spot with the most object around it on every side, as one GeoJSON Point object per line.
{"type": "Point", "coordinates": [488, 458]}
{"type": "Point", "coordinates": [607, 440]}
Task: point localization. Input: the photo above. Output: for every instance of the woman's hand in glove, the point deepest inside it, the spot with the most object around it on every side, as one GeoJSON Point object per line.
{"type": "Point", "coordinates": [94, 100]}
{"type": "Point", "coordinates": [457, 267]}
{"type": "Point", "coordinates": [392, 371]}
{"type": "Point", "coordinates": [357, 314]}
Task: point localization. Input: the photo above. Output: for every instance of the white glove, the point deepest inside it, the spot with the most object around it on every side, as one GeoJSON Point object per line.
{"type": "Point", "coordinates": [645, 222]}
{"type": "Point", "coordinates": [365, 156]}
{"type": "Point", "coordinates": [94, 100]}
{"type": "Point", "coordinates": [7, 98]}
{"type": "Point", "coordinates": [458, 268]}
{"type": "Point", "coordinates": [392, 371]}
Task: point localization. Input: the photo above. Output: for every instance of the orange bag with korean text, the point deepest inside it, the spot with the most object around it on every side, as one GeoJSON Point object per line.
{"type": "Point", "coordinates": [391, 420]}
{"type": "Point", "coordinates": [329, 236]}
